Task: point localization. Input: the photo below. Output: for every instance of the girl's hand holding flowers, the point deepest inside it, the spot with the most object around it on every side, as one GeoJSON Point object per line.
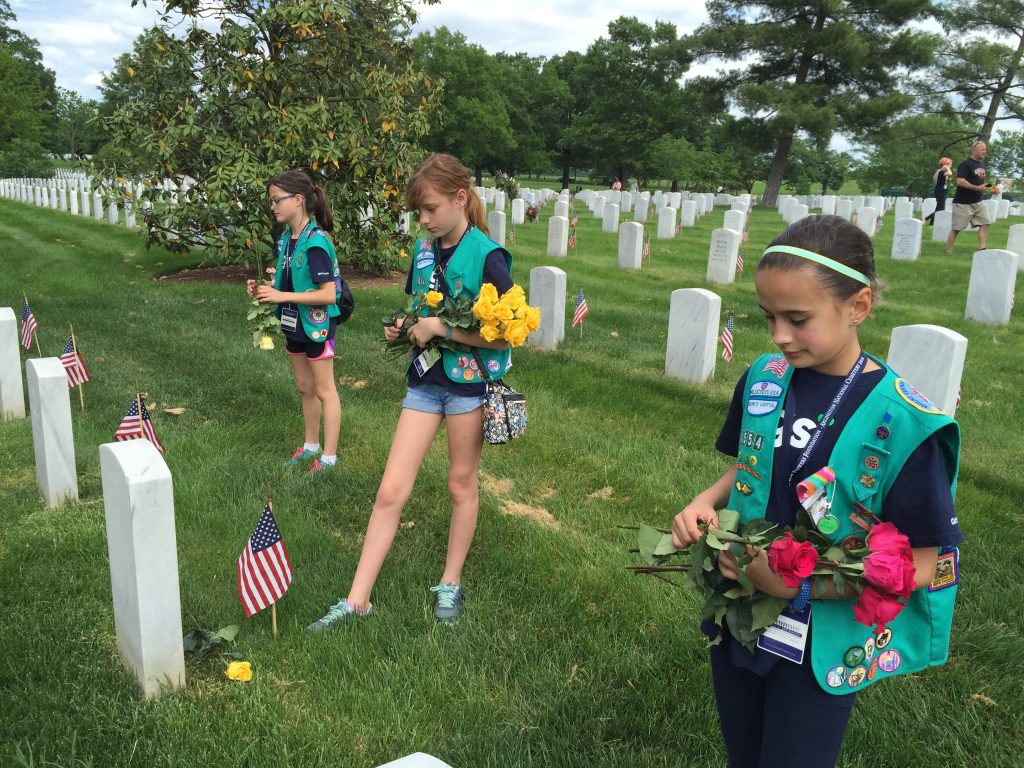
{"type": "Point", "coordinates": [267, 294]}
{"type": "Point", "coordinates": [425, 329]}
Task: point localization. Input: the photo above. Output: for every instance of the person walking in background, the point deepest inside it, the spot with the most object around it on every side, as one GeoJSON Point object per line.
{"type": "Point", "coordinates": [940, 183]}
{"type": "Point", "coordinates": [968, 209]}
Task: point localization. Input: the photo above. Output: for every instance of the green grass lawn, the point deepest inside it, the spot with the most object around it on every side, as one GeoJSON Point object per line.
{"type": "Point", "coordinates": [563, 658]}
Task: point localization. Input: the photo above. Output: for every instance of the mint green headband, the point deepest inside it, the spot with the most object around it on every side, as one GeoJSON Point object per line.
{"type": "Point", "coordinates": [817, 258]}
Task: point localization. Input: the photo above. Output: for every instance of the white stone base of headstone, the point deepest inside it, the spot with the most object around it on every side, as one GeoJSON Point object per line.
{"type": "Point", "coordinates": [931, 358]}
{"type": "Point", "coordinates": [906, 239]}
{"type": "Point", "coordinates": [50, 406]}
{"type": "Point", "coordinates": [990, 291]}
{"type": "Point", "coordinates": [138, 499]}
{"type": "Point", "coordinates": [942, 225]}
{"type": "Point", "coordinates": [547, 291]}
{"type": "Point", "coordinates": [416, 760]}
{"type": "Point", "coordinates": [631, 237]}
{"type": "Point", "coordinates": [496, 225]}
{"type": "Point", "coordinates": [558, 236]}
{"type": "Point", "coordinates": [725, 245]}
{"type": "Point", "coordinates": [610, 222]}
{"type": "Point", "coordinates": [1015, 242]}
{"type": "Point", "coordinates": [692, 334]}
{"type": "Point", "coordinates": [666, 223]}
{"type": "Point", "coordinates": [12, 394]}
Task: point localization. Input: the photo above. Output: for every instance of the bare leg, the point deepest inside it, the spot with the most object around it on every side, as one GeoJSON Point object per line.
{"type": "Point", "coordinates": [950, 239]}
{"type": "Point", "coordinates": [982, 236]}
{"type": "Point", "coordinates": [413, 435]}
{"type": "Point", "coordinates": [465, 442]}
{"type": "Point", "coordinates": [310, 402]}
{"type": "Point", "coordinates": [327, 397]}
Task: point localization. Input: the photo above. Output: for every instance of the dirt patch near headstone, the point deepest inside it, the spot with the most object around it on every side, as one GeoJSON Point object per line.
{"type": "Point", "coordinates": [536, 514]}
{"type": "Point", "coordinates": [236, 273]}
{"type": "Point", "coordinates": [494, 485]}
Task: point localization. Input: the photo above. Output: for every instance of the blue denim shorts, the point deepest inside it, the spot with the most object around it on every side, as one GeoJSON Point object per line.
{"type": "Point", "coordinates": [432, 398]}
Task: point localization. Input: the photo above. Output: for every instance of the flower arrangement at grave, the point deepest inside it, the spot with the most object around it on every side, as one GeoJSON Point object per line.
{"type": "Point", "coordinates": [878, 568]}
{"type": "Point", "coordinates": [531, 214]}
{"type": "Point", "coordinates": [506, 184]}
{"type": "Point", "coordinates": [507, 318]}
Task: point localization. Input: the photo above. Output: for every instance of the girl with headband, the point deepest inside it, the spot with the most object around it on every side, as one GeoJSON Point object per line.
{"type": "Point", "coordinates": [823, 419]}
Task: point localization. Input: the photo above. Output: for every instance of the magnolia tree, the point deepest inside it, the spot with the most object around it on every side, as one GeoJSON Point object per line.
{"type": "Point", "coordinates": [226, 95]}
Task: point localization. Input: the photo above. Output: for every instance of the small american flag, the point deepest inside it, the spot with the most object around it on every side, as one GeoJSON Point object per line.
{"type": "Point", "coordinates": [28, 325]}
{"type": "Point", "coordinates": [581, 308]}
{"type": "Point", "coordinates": [647, 248]}
{"type": "Point", "coordinates": [574, 221]}
{"type": "Point", "coordinates": [777, 365]}
{"type": "Point", "coordinates": [572, 238]}
{"type": "Point", "coordinates": [739, 261]}
{"type": "Point", "coordinates": [264, 570]}
{"type": "Point", "coordinates": [730, 325]}
{"type": "Point", "coordinates": [74, 365]}
{"type": "Point", "coordinates": [134, 428]}
{"type": "Point", "coordinates": [878, 225]}
{"type": "Point", "coordinates": [512, 236]}
{"type": "Point", "coordinates": [746, 235]}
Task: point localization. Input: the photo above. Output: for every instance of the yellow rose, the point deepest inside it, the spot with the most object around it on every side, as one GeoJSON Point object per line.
{"type": "Point", "coordinates": [489, 332]}
{"type": "Point", "coordinates": [517, 332]}
{"type": "Point", "coordinates": [483, 310]}
{"type": "Point", "coordinates": [488, 293]}
{"type": "Point", "coordinates": [240, 671]}
{"type": "Point", "coordinates": [503, 312]}
{"type": "Point", "coordinates": [513, 301]}
{"type": "Point", "coordinates": [533, 318]}
{"type": "Point", "coordinates": [433, 298]}
{"type": "Point", "coordinates": [515, 292]}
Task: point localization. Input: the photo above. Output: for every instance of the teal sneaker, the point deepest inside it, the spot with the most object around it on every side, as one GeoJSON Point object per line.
{"type": "Point", "coordinates": [320, 467]}
{"type": "Point", "coordinates": [301, 454]}
{"type": "Point", "coordinates": [339, 614]}
{"type": "Point", "coordinates": [447, 602]}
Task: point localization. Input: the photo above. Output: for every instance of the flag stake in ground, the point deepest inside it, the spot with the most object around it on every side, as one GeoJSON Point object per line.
{"type": "Point", "coordinates": [264, 570]}
{"type": "Point", "coordinates": [81, 387]}
{"type": "Point", "coordinates": [580, 311]}
{"type": "Point", "coordinates": [28, 326]}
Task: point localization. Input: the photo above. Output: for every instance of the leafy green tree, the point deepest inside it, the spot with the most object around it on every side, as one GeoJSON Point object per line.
{"type": "Point", "coordinates": [76, 123]}
{"type": "Point", "coordinates": [815, 167]}
{"type": "Point", "coordinates": [320, 85]}
{"type": "Point", "coordinates": [1006, 157]}
{"type": "Point", "coordinates": [569, 99]}
{"type": "Point", "coordinates": [984, 73]}
{"type": "Point", "coordinates": [814, 67]}
{"type": "Point", "coordinates": [474, 124]}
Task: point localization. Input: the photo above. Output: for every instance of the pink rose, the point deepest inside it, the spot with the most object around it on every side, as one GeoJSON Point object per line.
{"type": "Point", "coordinates": [793, 560]}
{"type": "Point", "coordinates": [891, 572]}
{"type": "Point", "coordinates": [885, 537]}
{"type": "Point", "coordinates": [875, 608]}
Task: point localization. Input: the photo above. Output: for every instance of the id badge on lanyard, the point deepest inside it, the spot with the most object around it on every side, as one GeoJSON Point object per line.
{"type": "Point", "coordinates": [787, 637]}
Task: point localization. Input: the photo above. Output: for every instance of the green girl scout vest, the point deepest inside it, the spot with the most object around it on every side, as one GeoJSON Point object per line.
{"type": "Point", "coordinates": [315, 319]}
{"type": "Point", "coordinates": [871, 449]}
{"type": "Point", "coordinates": [463, 274]}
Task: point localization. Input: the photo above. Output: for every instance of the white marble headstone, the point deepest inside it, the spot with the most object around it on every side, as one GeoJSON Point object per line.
{"type": "Point", "coordinates": [688, 213]}
{"type": "Point", "coordinates": [1015, 242]}
{"type": "Point", "coordinates": [931, 358]}
{"type": "Point", "coordinates": [558, 235]}
{"type": "Point", "coordinates": [561, 209]}
{"type": "Point", "coordinates": [496, 225]}
{"type": "Point", "coordinates": [735, 220]}
{"type": "Point", "coordinates": [598, 207]}
{"type": "Point", "coordinates": [828, 205]}
{"type": "Point", "coordinates": [52, 437]}
{"type": "Point", "coordinates": [906, 239]}
{"type": "Point", "coordinates": [12, 394]}
{"type": "Point", "coordinates": [547, 291]}
{"type": "Point", "coordinates": [942, 224]}
{"type": "Point", "coordinates": [725, 244]}
{"type": "Point", "coordinates": [928, 207]}
{"type": "Point", "coordinates": [640, 213]}
{"type": "Point", "coordinates": [666, 223]}
{"type": "Point", "coordinates": [990, 292]}
{"type": "Point", "coordinates": [416, 760]}
{"type": "Point", "coordinates": [904, 209]}
{"type": "Point", "coordinates": [138, 501]}
{"type": "Point", "coordinates": [692, 334]}
{"type": "Point", "coordinates": [844, 209]}
{"type": "Point", "coordinates": [610, 223]}
{"type": "Point", "coordinates": [867, 217]}
{"type": "Point", "coordinates": [519, 210]}
{"type": "Point", "coordinates": [631, 237]}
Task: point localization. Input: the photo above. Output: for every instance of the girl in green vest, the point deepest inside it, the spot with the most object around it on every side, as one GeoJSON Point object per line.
{"type": "Point", "coordinates": [305, 288]}
{"type": "Point", "coordinates": [822, 403]}
{"type": "Point", "coordinates": [457, 259]}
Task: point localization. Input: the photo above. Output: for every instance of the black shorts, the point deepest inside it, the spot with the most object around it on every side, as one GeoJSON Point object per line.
{"type": "Point", "coordinates": [313, 350]}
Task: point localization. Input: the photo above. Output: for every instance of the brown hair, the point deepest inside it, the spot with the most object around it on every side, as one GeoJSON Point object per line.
{"type": "Point", "coordinates": [831, 236]}
{"type": "Point", "coordinates": [317, 205]}
{"type": "Point", "coordinates": [446, 175]}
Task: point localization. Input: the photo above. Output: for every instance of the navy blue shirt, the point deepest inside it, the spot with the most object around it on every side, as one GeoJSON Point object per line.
{"type": "Point", "coordinates": [495, 272]}
{"type": "Point", "coordinates": [320, 271]}
{"type": "Point", "coordinates": [973, 172]}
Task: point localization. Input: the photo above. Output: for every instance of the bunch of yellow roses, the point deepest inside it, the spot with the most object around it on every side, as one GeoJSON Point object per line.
{"type": "Point", "coordinates": [509, 318]}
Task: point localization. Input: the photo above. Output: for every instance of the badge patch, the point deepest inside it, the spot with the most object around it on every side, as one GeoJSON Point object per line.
{"type": "Point", "coordinates": [468, 375]}
{"type": "Point", "coordinates": [761, 407]}
{"type": "Point", "coordinates": [854, 657]}
{"type": "Point", "coordinates": [867, 480]}
{"type": "Point", "coordinates": [915, 398]}
{"type": "Point", "coordinates": [493, 366]}
{"type": "Point", "coordinates": [871, 462]}
{"type": "Point", "coordinates": [873, 670]}
{"type": "Point", "coordinates": [777, 365]}
{"type": "Point", "coordinates": [318, 315]}
{"type": "Point", "coordinates": [749, 470]}
{"type": "Point", "coordinates": [857, 676]}
{"type": "Point", "coordinates": [947, 571]}
{"type": "Point", "coordinates": [883, 639]}
{"type": "Point", "coordinates": [882, 433]}
{"type": "Point", "coordinates": [751, 440]}
{"type": "Point", "coordinates": [889, 661]}
{"type": "Point", "coordinates": [743, 488]}
{"type": "Point", "coordinates": [765, 389]}
{"type": "Point", "coordinates": [869, 649]}
{"type": "Point", "coordinates": [836, 677]}
{"type": "Point", "coordinates": [426, 262]}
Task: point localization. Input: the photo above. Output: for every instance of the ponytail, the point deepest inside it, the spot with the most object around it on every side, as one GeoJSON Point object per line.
{"type": "Point", "coordinates": [475, 212]}
{"type": "Point", "coordinates": [321, 209]}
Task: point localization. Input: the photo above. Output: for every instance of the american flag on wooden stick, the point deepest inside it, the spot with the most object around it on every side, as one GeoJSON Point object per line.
{"type": "Point", "coordinates": [134, 427]}
{"type": "Point", "coordinates": [646, 254]}
{"type": "Point", "coordinates": [264, 570]}
{"type": "Point", "coordinates": [572, 238]}
{"type": "Point", "coordinates": [581, 308]}
{"type": "Point", "coordinates": [74, 365]}
{"type": "Point", "coordinates": [730, 325]}
{"type": "Point", "coordinates": [739, 261]}
{"type": "Point", "coordinates": [512, 235]}
{"type": "Point", "coordinates": [28, 324]}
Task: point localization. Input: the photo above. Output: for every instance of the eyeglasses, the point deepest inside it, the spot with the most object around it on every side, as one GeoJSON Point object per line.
{"type": "Point", "coordinates": [275, 201]}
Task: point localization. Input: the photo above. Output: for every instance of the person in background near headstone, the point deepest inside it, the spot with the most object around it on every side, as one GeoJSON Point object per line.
{"type": "Point", "coordinates": [823, 403]}
{"type": "Point", "coordinates": [635, 187]}
{"type": "Point", "coordinates": [458, 258]}
{"type": "Point", "coordinates": [305, 288]}
{"type": "Point", "coordinates": [940, 182]}
{"type": "Point", "coordinates": [616, 185]}
{"type": "Point", "coordinates": [968, 209]}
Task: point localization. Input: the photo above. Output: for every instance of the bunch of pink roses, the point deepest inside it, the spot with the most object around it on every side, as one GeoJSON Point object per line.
{"type": "Point", "coordinates": [879, 568]}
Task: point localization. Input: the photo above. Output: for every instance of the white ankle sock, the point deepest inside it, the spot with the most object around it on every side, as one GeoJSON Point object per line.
{"type": "Point", "coordinates": [329, 460]}
{"type": "Point", "coordinates": [314, 447]}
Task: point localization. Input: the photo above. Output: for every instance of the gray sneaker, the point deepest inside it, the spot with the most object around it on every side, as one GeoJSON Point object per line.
{"type": "Point", "coordinates": [447, 602]}
{"type": "Point", "coordinates": [339, 614]}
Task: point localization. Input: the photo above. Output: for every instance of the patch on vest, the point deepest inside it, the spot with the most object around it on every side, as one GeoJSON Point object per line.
{"type": "Point", "coordinates": [761, 407]}
{"type": "Point", "coordinates": [426, 261]}
{"type": "Point", "coordinates": [318, 315]}
{"type": "Point", "coordinates": [947, 571]}
{"type": "Point", "coordinates": [915, 398]}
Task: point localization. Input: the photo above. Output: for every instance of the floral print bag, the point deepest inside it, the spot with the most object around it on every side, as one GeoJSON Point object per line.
{"type": "Point", "coordinates": [504, 409]}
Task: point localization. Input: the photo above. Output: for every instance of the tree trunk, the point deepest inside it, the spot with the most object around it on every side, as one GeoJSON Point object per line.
{"type": "Point", "coordinates": [1000, 93]}
{"type": "Point", "coordinates": [479, 176]}
{"type": "Point", "coordinates": [675, 185]}
{"type": "Point", "coordinates": [565, 174]}
{"type": "Point", "coordinates": [774, 183]}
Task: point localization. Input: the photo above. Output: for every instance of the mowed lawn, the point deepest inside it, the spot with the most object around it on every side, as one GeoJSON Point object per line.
{"type": "Point", "coordinates": [563, 658]}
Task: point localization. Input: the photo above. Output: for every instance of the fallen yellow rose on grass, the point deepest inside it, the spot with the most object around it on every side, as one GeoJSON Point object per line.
{"type": "Point", "coordinates": [240, 671]}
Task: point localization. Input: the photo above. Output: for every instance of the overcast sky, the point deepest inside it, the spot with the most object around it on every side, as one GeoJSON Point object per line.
{"type": "Point", "coordinates": [79, 39]}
